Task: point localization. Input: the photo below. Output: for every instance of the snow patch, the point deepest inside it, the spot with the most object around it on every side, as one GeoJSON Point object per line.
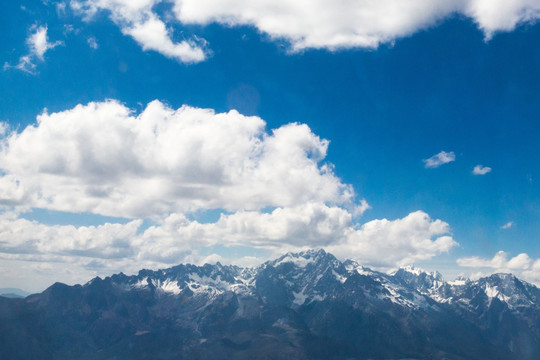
{"type": "Point", "coordinates": [299, 298]}
{"type": "Point", "coordinates": [318, 298]}
{"type": "Point", "coordinates": [338, 277]}
{"type": "Point", "coordinates": [458, 282]}
{"type": "Point", "coordinates": [143, 283]}
{"type": "Point", "coordinates": [167, 286]}
{"type": "Point", "coordinates": [493, 292]}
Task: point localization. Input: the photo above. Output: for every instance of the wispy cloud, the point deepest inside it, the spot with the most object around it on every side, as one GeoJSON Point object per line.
{"type": "Point", "coordinates": [508, 225]}
{"type": "Point", "coordinates": [439, 159]}
{"type": "Point", "coordinates": [92, 42]}
{"type": "Point", "coordinates": [481, 170]}
{"type": "Point", "coordinates": [38, 44]}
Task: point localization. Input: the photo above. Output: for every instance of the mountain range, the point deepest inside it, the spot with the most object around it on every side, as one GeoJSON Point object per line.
{"type": "Point", "coordinates": [306, 305]}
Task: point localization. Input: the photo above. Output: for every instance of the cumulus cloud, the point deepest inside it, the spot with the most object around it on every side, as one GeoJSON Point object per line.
{"type": "Point", "coordinates": [310, 24]}
{"type": "Point", "coordinates": [439, 159]}
{"type": "Point", "coordinates": [508, 225]}
{"type": "Point", "coordinates": [319, 24]}
{"type": "Point", "coordinates": [38, 44]}
{"type": "Point", "coordinates": [136, 19]}
{"type": "Point", "coordinates": [386, 243]}
{"type": "Point", "coordinates": [481, 170]}
{"type": "Point", "coordinates": [520, 265]}
{"type": "Point", "coordinates": [493, 16]}
{"type": "Point", "coordinates": [101, 158]}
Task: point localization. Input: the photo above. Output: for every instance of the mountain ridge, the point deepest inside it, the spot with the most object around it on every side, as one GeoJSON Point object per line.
{"type": "Point", "coordinates": [306, 305]}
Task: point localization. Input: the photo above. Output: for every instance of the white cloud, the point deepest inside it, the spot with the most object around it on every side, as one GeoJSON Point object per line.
{"type": "Point", "coordinates": [38, 44]}
{"type": "Point", "coordinates": [152, 35]}
{"type": "Point", "coordinates": [520, 265]}
{"type": "Point", "coordinates": [167, 164]}
{"type": "Point", "coordinates": [136, 19]}
{"type": "Point", "coordinates": [4, 128]}
{"type": "Point", "coordinates": [481, 170]}
{"type": "Point", "coordinates": [312, 24]}
{"type": "Point", "coordinates": [307, 225]}
{"type": "Point", "coordinates": [500, 15]}
{"type": "Point", "coordinates": [385, 243]}
{"type": "Point", "coordinates": [101, 250]}
{"type": "Point", "coordinates": [25, 64]}
{"type": "Point", "coordinates": [320, 24]}
{"type": "Point", "coordinates": [103, 159]}
{"type": "Point", "coordinates": [440, 159]}
{"type": "Point", "coordinates": [499, 261]}
{"type": "Point", "coordinates": [60, 8]}
{"type": "Point", "coordinates": [346, 24]}
{"type": "Point", "coordinates": [378, 243]}
{"type": "Point", "coordinates": [508, 225]}
{"type": "Point", "coordinates": [21, 236]}
{"type": "Point", "coordinates": [92, 42]}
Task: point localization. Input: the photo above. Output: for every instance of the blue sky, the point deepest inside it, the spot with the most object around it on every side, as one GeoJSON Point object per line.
{"type": "Point", "coordinates": [145, 134]}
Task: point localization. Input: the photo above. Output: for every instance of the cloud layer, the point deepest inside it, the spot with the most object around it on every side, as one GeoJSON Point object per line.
{"type": "Point", "coordinates": [100, 250]}
{"type": "Point", "coordinates": [520, 265]}
{"type": "Point", "coordinates": [273, 189]}
{"type": "Point", "coordinates": [306, 24]}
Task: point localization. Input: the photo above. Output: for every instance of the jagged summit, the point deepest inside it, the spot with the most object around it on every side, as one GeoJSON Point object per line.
{"type": "Point", "coordinates": [418, 272]}
{"type": "Point", "coordinates": [309, 258]}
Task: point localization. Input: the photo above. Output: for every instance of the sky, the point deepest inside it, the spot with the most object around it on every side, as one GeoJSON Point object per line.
{"type": "Point", "coordinates": [147, 133]}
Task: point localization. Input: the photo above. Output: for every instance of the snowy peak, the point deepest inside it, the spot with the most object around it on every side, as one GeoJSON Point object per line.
{"type": "Point", "coordinates": [353, 266]}
{"type": "Point", "coordinates": [509, 289]}
{"type": "Point", "coordinates": [304, 259]}
{"type": "Point", "coordinates": [300, 278]}
{"type": "Point", "coordinates": [410, 272]}
{"type": "Point", "coordinates": [427, 283]}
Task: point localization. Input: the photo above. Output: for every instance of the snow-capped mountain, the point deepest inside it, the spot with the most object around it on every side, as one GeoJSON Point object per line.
{"type": "Point", "coordinates": [306, 305]}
